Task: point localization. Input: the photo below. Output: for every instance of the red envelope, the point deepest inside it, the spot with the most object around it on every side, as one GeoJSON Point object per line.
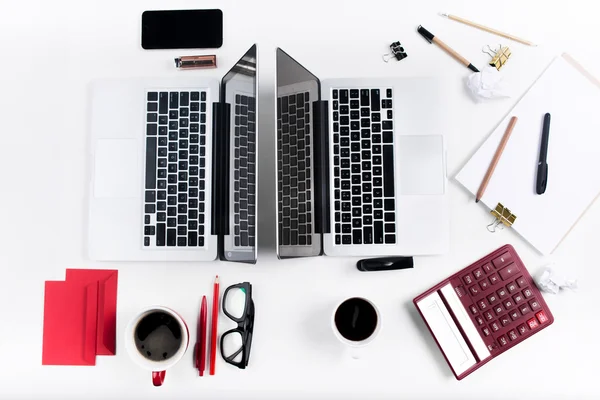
{"type": "Point", "coordinates": [70, 323]}
{"type": "Point", "coordinates": [107, 305]}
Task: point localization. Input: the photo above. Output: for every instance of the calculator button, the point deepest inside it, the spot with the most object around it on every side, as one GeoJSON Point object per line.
{"type": "Point", "coordinates": [486, 331]}
{"type": "Point", "coordinates": [527, 293]}
{"type": "Point", "coordinates": [498, 309]}
{"type": "Point", "coordinates": [514, 315]}
{"type": "Point", "coordinates": [474, 290]}
{"type": "Point", "coordinates": [524, 309]}
{"type": "Point", "coordinates": [494, 279]}
{"type": "Point", "coordinates": [479, 320]}
{"type": "Point", "coordinates": [484, 284]}
{"type": "Point", "coordinates": [495, 326]}
{"type": "Point", "coordinates": [508, 304]}
{"type": "Point", "coordinates": [482, 304]}
{"type": "Point", "coordinates": [468, 279]}
{"type": "Point", "coordinates": [473, 309]}
{"type": "Point", "coordinates": [503, 260]}
{"type": "Point", "coordinates": [502, 340]}
{"type": "Point", "coordinates": [487, 268]}
{"type": "Point", "coordinates": [478, 273]}
{"type": "Point", "coordinates": [488, 315]}
{"type": "Point", "coordinates": [504, 320]}
{"type": "Point", "coordinates": [535, 305]}
{"type": "Point", "coordinates": [512, 287]}
{"type": "Point", "coordinates": [518, 298]}
{"type": "Point", "coordinates": [512, 335]}
{"type": "Point", "coordinates": [541, 316]}
{"type": "Point", "coordinates": [502, 293]}
{"type": "Point", "coordinates": [508, 272]}
{"type": "Point", "coordinates": [532, 323]}
{"type": "Point", "coordinates": [522, 329]}
{"type": "Point", "coordinates": [492, 298]}
{"type": "Point", "coordinates": [521, 281]}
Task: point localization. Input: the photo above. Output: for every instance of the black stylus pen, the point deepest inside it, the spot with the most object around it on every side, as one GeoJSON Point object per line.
{"type": "Point", "coordinates": [431, 38]}
{"type": "Point", "coordinates": [542, 168]}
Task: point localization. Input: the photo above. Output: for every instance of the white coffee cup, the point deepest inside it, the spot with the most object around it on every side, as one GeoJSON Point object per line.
{"type": "Point", "coordinates": [355, 322]}
{"type": "Point", "coordinates": [158, 367]}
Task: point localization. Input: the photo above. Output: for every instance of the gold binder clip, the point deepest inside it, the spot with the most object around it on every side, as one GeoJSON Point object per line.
{"type": "Point", "coordinates": [499, 56]}
{"type": "Point", "coordinates": [502, 217]}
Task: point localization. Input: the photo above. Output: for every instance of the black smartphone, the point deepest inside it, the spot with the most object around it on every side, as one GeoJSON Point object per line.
{"type": "Point", "coordinates": [182, 29]}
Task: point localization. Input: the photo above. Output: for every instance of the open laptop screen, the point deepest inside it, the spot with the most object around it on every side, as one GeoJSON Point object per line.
{"type": "Point", "coordinates": [239, 89]}
{"type": "Point", "coordinates": [297, 90]}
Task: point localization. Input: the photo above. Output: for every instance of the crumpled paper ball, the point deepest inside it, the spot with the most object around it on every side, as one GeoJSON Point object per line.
{"type": "Point", "coordinates": [487, 84]}
{"type": "Point", "coordinates": [551, 281]}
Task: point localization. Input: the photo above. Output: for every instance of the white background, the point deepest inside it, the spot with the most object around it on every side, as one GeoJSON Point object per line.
{"type": "Point", "coordinates": [51, 50]}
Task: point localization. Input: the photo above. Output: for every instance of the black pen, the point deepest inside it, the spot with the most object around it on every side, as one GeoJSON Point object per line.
{"type": "Point", "coordinates": [542, 169]}
{"type": "Point", "coordinates": [433, 39]}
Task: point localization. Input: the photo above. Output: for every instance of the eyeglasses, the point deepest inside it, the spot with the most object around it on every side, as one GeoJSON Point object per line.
{"type": "Point", "coordinates": [239, 307]}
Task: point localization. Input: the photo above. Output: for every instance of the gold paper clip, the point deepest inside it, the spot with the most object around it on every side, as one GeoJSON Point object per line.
{"type": "Point", "coordinates": [499, 56]}
{"type": "Point", "coordinates": [502, 217]}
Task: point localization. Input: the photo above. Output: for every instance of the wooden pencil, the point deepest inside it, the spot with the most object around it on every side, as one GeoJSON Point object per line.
{"type": "Point", "coordinates": [485, 28]}
{"type": "Point", "coordinates": [499, 151]}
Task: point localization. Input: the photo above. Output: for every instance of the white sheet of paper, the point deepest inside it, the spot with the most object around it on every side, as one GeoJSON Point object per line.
{"type": "Point", "coordinates": [573, 100]}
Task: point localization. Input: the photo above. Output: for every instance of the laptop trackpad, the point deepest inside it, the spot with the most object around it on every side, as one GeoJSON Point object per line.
{"type": "Point", "coordinates": [421, 164]}
{"type": "Point", "coordinates": [116, 168]}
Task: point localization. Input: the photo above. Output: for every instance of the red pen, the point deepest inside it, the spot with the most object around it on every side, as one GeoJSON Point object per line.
{"type": "Point", "coordinates": [214, 322]}
{"type": "Point", "coordinates": [200, 349]}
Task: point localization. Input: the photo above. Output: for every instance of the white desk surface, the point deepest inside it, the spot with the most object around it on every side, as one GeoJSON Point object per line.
{"type": "Point", "coordinates": [49, 53]}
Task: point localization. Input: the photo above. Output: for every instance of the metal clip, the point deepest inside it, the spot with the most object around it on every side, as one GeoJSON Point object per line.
{"type": "Point", "coordinates": [499, 55]}
{"type": "Point", "coordinates": [397, 51]}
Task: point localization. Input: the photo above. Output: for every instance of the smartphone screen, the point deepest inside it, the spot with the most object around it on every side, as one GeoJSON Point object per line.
{"type": "Point", "coordinates": [182, 29]}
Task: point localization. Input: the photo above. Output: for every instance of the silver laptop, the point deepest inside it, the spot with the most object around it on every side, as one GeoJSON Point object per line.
{"type": "Point", "coordinates": [174, 167]}
{"type": "Point", "coordinates": [361, 168]}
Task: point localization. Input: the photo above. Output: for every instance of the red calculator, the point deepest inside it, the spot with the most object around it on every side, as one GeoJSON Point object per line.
{"type": "Point", "coordinates": [483, 310]}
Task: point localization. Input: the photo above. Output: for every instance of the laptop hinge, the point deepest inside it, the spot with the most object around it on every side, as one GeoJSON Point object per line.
{"type": "Point", "coordinates": [321, 166]}
{"type": "Point", "coordinates": [220, 170]}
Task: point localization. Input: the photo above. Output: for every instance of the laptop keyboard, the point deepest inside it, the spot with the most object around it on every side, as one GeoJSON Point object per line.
{"type": "Point", "coordinates": [174, 198]}
{"type": "Point", "coordinates": [363, 165]}
{"type": "Point", "coordinates": [294, 169]}
{"type": "Point", "coordinates": [244, 183]}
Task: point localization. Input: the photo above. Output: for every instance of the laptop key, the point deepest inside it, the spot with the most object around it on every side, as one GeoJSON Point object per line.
{"type": "Point", "coordinates": [173, 100]}
{"type": "Point", "coordinates": [378, 228]}
{"type": "Point", "coordinates": [344, 96]}
{"type": "Point", "coordinates": [184, 99]}
{"type": "Point", "coordinates": [364, 97]}
{"type": "Point", "coordinates": [375, 101]}
{"type": "Point", "coordinates": [151, 129]}
{"type": "Point", "coordinates": [163, 106]}
{"type": "Point", "coordinates": [160, 234]}
{"type": "Point", "coordinates": [192, 239]}
{"type": "Point", "coordinates": [151, 150]}
{"type": "Point", "coordinates": [368, 234]}
{"type": "Point", "coordinates": [388, 170]}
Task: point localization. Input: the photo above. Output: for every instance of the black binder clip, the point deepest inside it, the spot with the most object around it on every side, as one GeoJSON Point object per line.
{"type": "Point", "coordinates": [397, 52]}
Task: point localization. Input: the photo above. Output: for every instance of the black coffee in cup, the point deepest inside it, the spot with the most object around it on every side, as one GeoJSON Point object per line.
{"type": "Point", "coordinates": [158, 336]}
{"type": "Point", "coordinates": [356, 319]}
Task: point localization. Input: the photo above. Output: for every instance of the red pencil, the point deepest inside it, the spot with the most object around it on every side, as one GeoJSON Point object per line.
{"type": "Point", "coordinates": [201, 341]}
{"type": "Point", "coordinates": [214, 322]}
